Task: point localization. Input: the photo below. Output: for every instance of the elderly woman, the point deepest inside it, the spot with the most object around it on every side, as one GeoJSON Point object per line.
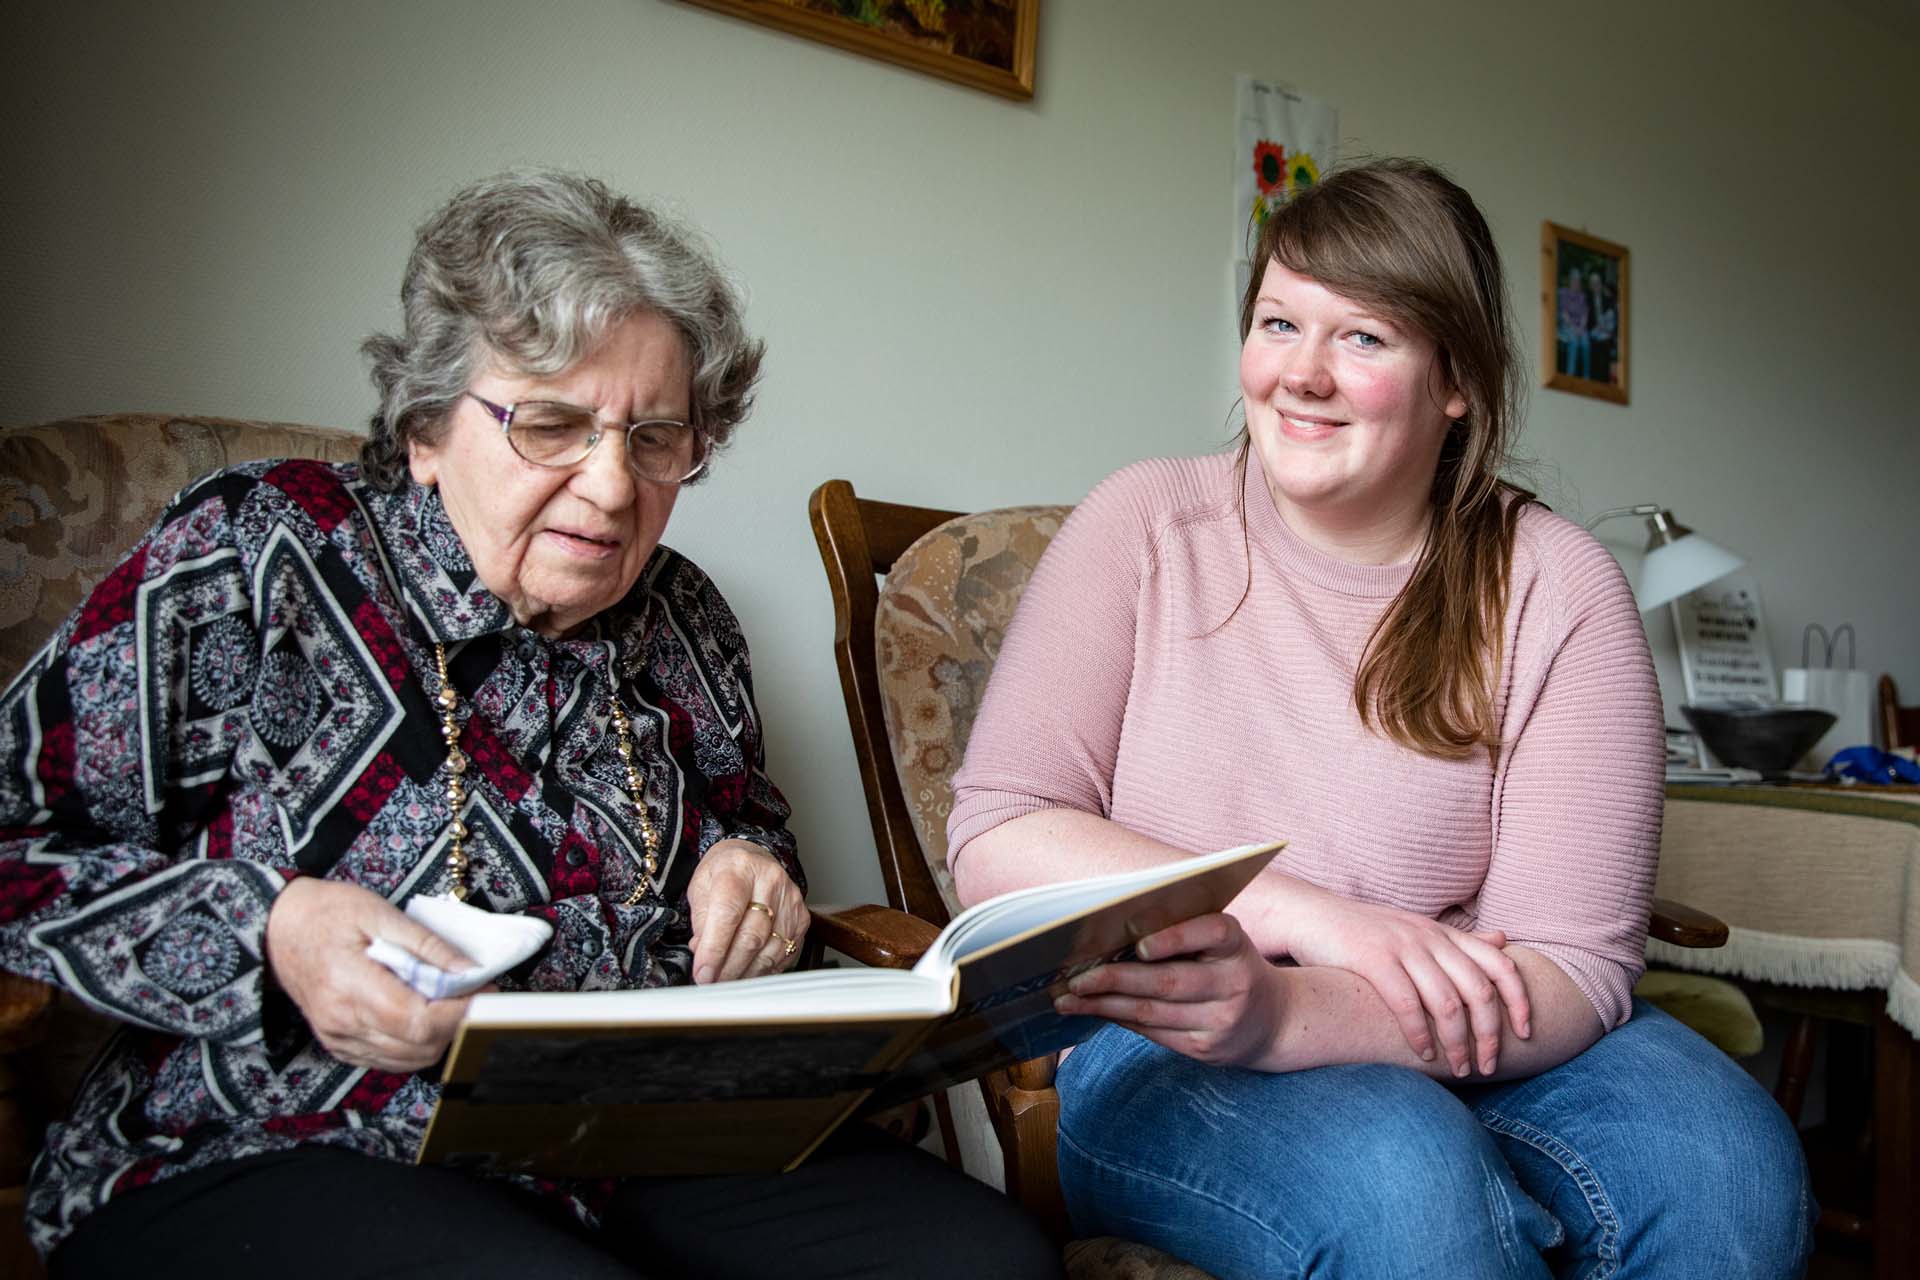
{"type": "Point", "coordinates": [466, 666]}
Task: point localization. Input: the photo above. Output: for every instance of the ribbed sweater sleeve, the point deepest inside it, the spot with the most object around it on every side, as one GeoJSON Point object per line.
{"type": "Point", "coordinates": [1579, 793]}
{"type": "Point", "coordinates": [1049, 726]}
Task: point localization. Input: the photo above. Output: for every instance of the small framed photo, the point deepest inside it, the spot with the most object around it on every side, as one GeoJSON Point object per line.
{"type": "Point", "coordinates": [1583, 313]}
{"type": "Point", "coordinates": [988, 44]}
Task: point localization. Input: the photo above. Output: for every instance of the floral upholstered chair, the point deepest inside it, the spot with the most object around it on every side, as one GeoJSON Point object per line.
{"type": "Point", "coordinates": [75, 495]}
{"type": "Point", "coordinates": [937, 629]}
{"type": "Point", "coordinates": [915, 653]}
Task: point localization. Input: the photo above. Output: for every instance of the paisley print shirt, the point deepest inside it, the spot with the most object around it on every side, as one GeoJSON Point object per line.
{"type": "Point", "coordinates": [248, 697]}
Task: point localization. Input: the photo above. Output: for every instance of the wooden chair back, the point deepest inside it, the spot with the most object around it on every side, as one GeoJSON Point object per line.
{"type": "Point", "coordinates": [1899, 726]}
{"type": "Point", "coordinates": [915, 652]}
{"type": "Point", "coordinates": [970, 558]}
{"type": "Point", "coordinates": [859, 541]}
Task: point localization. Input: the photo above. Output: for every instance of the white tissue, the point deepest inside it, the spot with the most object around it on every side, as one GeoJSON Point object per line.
{"type": "Point", "coordinates": [494, 943]}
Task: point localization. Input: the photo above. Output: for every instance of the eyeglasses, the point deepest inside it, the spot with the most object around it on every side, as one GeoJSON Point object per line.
{"type": "Point", "coordinates": [550, 434]}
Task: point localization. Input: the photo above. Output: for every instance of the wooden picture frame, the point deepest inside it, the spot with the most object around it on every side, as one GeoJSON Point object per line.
{"type": "Point", "coordinates": [1001, 33]}
{"type": "Point", "coordinates": [1584, 329]}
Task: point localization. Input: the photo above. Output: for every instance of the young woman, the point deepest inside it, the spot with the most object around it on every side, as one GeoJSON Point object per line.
{"type": "Point", "coordinates": [1411, 1048]}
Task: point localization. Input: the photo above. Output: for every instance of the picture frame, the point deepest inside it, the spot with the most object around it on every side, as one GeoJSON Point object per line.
{"type": "Point", "coordinates": [1584, 316]}
{"type": "Point", "coordinates": [986, 44]}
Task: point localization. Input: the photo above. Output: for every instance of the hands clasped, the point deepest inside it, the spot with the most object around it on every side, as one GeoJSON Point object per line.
{"type": "Point", "coordinates": [1446, 988]}
{"type": "Point", "coordinates": [748, 914]}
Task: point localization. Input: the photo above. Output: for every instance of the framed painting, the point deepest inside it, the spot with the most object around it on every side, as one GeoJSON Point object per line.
{"type": "Point", "coordinates": [1583, 313]}
{"type": "Point", "coordinates": [987, 44]}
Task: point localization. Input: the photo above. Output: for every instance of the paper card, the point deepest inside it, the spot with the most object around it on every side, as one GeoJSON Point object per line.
{"type": "Point", "coordinates": [1724, 650]}
{"type": "Point", "coordinates": [1283, 141]}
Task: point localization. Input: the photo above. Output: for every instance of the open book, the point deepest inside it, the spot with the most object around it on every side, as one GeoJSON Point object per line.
{"type": "Point", "coordinates": [750, 1076]}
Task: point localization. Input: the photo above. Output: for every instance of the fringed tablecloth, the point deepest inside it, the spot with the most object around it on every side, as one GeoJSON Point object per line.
{"type": "Point", "coordinates": [1819, 888]}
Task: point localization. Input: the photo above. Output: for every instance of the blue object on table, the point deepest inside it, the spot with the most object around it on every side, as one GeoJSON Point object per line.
{"type": "Point", "coordinates": [1870, 764]}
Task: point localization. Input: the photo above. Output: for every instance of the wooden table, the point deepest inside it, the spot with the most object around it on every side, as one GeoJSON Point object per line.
{"type": "Point", "coordinates": [1820, 888]}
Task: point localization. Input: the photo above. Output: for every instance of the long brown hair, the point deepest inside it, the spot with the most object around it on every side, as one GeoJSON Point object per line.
{"type": "Point", "coordinates": [1400, 237]}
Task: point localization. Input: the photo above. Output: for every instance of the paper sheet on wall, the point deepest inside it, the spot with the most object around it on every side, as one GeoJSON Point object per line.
{"type": "Point", "coordinates": [1724, 649]}
{"type": "Point", "coordinates": [1283, 140]}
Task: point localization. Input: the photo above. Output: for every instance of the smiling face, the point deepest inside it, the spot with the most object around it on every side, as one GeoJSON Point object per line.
{"type": "Point", "coordinates": [1347, 412]}
{"type": "Point", "coordinates": [561, 544]}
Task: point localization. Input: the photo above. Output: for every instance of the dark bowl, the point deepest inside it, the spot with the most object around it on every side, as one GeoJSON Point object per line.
{"type": "Point", "coordinates": [1750, 736]}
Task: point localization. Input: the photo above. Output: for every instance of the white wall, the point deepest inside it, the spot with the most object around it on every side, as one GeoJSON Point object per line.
{"type": "Point", "coordinates": [971, 302]}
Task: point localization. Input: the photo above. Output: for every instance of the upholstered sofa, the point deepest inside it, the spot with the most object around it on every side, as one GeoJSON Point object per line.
{"type": "Point", "coordinates": [75, 495]}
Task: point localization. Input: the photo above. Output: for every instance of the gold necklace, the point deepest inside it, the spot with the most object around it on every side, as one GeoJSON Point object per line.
{"type": "Point", "coordinates": [457, 788]}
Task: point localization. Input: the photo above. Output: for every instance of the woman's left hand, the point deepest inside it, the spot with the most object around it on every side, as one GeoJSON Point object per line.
{"type": "Point", "coordinates": [1448, 989]}
{"type": "Point", "coordinates": [1201, 989]}
{"type": "Point", "coordinates": [748, 914]}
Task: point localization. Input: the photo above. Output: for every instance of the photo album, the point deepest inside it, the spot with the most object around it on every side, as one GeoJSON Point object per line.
{"type": "Point", "coordinates": [750, 1076]}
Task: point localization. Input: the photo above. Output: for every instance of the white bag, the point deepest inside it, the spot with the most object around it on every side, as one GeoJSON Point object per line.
{"type": "Point", "coordinates": [1849, 694]}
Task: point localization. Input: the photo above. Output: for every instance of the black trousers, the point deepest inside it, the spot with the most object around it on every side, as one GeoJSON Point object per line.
{"type": "Point", "coordinates": [865, 1205]}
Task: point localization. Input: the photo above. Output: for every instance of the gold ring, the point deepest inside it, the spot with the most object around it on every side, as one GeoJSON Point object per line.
{"type": "Point", "coordinates": [761, 906]}
{"type": "Point", "coordinates": [791, 944]}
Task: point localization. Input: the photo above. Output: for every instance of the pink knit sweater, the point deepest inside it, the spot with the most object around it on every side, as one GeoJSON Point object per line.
{"type": "Point", "coordinates": [1118, 693]}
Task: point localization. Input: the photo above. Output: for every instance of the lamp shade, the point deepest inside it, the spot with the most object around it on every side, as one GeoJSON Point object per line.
{"type": "Point", "coordinates": [1678, 559]}
{"type": "Point", "coordinates": [1672, 569]}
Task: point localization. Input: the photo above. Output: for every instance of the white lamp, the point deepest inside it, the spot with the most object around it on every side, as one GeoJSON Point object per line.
{"type": "Point", "coordinates": [1678, 559]}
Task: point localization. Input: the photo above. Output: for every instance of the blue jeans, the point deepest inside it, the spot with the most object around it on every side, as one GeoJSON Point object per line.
{"type": "Point", "coordinates": [1651, 1154]}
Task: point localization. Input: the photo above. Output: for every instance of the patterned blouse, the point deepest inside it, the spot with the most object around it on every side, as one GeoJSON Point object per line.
{"type": "Point", "coordinates": [249, 697]}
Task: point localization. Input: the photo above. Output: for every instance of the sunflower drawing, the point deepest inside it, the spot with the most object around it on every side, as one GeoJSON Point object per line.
{"type": "Point", "coordinates": [1270, 167]}
{"type": "Point", "coordinates": [1301, 172]}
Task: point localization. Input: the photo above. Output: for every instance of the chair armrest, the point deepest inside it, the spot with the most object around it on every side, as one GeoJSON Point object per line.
{"type": "Point", "coordinates": [873, 935]}
{"type": "Point", "coordinates": [1025, 1111]}
{"type": "Point", "coordinates": [1685, 926]}
{"type": "Point", "coordinates": [1035, 1073]}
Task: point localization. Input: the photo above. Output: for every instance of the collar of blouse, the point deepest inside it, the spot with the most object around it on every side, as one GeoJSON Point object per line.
{"type": "Point", "coordinates": [443, 591]}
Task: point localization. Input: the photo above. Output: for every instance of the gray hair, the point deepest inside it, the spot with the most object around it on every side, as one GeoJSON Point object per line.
{"type": "Point", "coordinates": [532, 270]}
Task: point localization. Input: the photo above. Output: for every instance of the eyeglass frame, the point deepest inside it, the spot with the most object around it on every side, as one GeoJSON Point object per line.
{"type": "Point", "coordinates": [503, 414]}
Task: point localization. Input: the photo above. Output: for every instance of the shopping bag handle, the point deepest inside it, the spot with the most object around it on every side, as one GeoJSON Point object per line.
{"type": "Point", "coordinates": [1827, 643]}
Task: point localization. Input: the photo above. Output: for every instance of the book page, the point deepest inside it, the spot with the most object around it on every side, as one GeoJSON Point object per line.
{"type": "Point", "coordinates": [991, 923]}
{"type": "Point", "coordinates": [1007, 980]}
{"type": "Point", "coordinates": [830, 994]}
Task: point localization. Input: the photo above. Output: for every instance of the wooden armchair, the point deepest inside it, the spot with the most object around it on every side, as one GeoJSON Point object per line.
{"type": "Point", "coordinates": [914, 651]}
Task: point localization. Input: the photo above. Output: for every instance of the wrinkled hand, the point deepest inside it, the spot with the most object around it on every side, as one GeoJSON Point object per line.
{"type": "Point", "coordinates": [1202, 989]}
{"type": "Point", "coordinates": [731, 937]}
{"type": "Point", "coordinates": [317, 936]}
{"type": "Point", "coordinates": [1438, 982]}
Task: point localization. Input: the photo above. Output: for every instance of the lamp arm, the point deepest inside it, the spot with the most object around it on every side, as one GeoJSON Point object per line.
{"type": "Point", "coordinates": [1644, 509]}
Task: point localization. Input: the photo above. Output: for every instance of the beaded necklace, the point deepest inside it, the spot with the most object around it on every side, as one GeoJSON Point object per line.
{"type": "Point", "coordinates": [457, 860]}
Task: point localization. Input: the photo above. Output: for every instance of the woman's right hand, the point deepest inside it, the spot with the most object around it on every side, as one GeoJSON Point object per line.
{"type": "Point", "coordinates": [1437, 981]}
{"type": "Point", "coordinates": [1200, 987]}
{"type": "Point", "coordinates": [317, 936]}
